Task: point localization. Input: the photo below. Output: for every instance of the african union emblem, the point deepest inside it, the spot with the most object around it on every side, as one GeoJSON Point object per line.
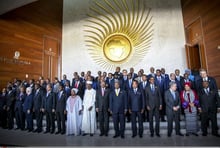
{"type": "Point", "coordinates": [118, 32]}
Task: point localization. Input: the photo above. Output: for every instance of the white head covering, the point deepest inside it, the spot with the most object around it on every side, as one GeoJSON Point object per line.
{"type": "Point", "coordinates": [89, 82]}
{"type": "Point", "coordinates": [75, 90]}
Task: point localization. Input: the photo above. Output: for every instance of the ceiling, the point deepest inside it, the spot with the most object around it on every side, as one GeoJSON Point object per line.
{"type": "Point", "coordinates": [8, 5]}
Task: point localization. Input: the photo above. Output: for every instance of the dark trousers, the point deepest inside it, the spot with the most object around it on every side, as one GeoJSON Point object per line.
{"type": "Point", "coordinates": [50, 127]}
{"type": "Point", "coordinates": [3, 118]}
{"type": "Point", "coordinates": [154, 112]}
{"type": "Point", "coordinates": [173, 115]}
{"type": "Point", "coordinates": [134, 116]}
{"type": "Point", "coordinates": [205, 116]}
{"type": "Point", "coordinates": [119, 118]}
{"type": "Point", "coordinates": [103, 121]}
{"type": "Point", "coordinates": [20, 118]}
{"type": "Point", "coordinates": [163, 111]}
{"type": "Point", "coordinates": [39, 117]}
{"type": "Point", "coordinates": [61, 121]}
{"type": "Point", "coordinates": [10, 119]}
{"type": "Point", "coordinates": [145, 115]}
{"type": "Point", "coordinates": [29, 121]}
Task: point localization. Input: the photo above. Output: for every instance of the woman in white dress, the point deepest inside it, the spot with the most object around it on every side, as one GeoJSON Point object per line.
{"type": "Point", "coordinates": [74, 113]}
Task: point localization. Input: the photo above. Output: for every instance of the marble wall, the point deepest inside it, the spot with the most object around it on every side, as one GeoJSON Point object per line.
{"type": "Point", "coordinates": [167, 49]}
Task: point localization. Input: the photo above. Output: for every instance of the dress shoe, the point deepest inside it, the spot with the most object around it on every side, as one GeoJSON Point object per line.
{"type": "Point", "coordinates": [91, 135]}
{"type": "Point", "coordinates": [152, 135]}
{"type": "Point", "coordinates": [195, 134]}
{"type": "Point", "coordinates": [141, 136]}
{"type": "Point", "coordinates": [62, 133]}
{"type": "Point", "coordinates": [169, 135]}
{"type": "Point", "coordinates": [101, 134]}
{"type": "Point", "coordinates": [106, 135]}
{"type": "Point", "coordinates": [46, 132]}
{"type": "Point", "coordinates": [36, 130]}
{"type": "Point", "coordinates": [17, 128]}
{"type": "Point", "coordinates": [187, 134]}
{"type": "Point", "coordinates": [39, 131]}
{"type": "Point", "coordinates": [30, 130]}
{"type": "Point", "coordinates": [180, 134]}
{"type": "Point", "coordinates": [158, 135]}
{"type": "Point", "coordinates": [133, 136]}
{"type": "Point", "coordinates": [57, 132]}
{"type": "Point", "coordinates": [52, 132]}
{"type": "Point", "coordinates": [84, 134]}
{"type": "Point", "coordinates": [122, 136]}
{"type": "Point", "coordinates": [204, 134]}
{"type": "Point", "coordinates": [115, 136]}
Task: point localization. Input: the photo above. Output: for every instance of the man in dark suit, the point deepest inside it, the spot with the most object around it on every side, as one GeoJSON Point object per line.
{"type": "Point", "coordinates": [128, 84]}
{"type": "Point", "coordinates": [49, 105]}
{"type": "Point", "coordinates": [173, 79]}
{"type": "Point", "coordinates": [79, 85]}
{"type": "Point", "coordinates": [209, 106]}
{"type": "Point", "coordinates": [154, 105]}
{"type": "Point", "coordinates": [37, 106]}
{"type": "Point", "coordinates": [136, 105]}
{"type": "Point", "coordinates": [61, 109]}
{"type": "Point", "coordinates": [133, 75]}
{"type": "Point", "coordinates": [102, 106]}
{"type": "Point", "coordinates": [19, 114]}
{"type": "Point", "coordinates": [151, 74]}
{"type": "Point", "coordinates": [186, 80]}
{"type": "Point", "coordinates": [118, 73]}
{"type": "Point", "coordinates": [172, 100]}
{"type": "Point", "coordinates": [161, 82]}
{"type": "Point", "coordinates": [179, 78]}
{"type": "Point", "coordinates": [64, 80]}
{"type": "Point", "coordinates": [28, 109]}
{"type": "Point", "coordinates": [143, 85]}
{"type": "Point", "coordinates": [10, 102]}
{"type": "Point", "coordinates": [118, 109]}
{"type": "Point", "coordinates": [205, 77]}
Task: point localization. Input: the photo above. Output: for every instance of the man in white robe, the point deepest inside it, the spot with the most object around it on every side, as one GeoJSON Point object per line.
{"type": "Point", "coordinates": [74, 110]}
{"type": "Point", "coordinates": [89, 114]}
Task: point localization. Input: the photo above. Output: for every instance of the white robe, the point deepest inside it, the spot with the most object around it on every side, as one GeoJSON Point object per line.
{"type": "Point", "coordinates": [89, 117]}
{"type": "Point", "coordinates": [74, 120]}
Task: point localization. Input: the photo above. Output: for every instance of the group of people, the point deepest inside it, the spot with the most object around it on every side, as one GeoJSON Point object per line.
{"type": "Point", "coordinates": [77, 106]}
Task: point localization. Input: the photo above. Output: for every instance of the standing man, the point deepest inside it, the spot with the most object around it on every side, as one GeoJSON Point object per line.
{"type": "Point", "coordinates": [209, 106]}
{"type": "Point", "coordinates": [172, 100]}
{"type": "Point", "coordinates": [136, 108]}
{"type": "Point", "coordinates": [89, 114]}
{"type": "Point", "coordinates": [102, 106]}
{"type": "Point", "coordinates": [28, 106]}
{"type": "Point", "coordinates": [154, 105]}
{"type": "Point", "coordinates": [10, 102]}
{"type": "Point", "coordinates": [118, 109]}
{"type": "Point", "coordinates": [38, 105]}
{"type": "Point", "coordinates": [61, 110]}
{"type": "Point", "coordinates": [49, 109]}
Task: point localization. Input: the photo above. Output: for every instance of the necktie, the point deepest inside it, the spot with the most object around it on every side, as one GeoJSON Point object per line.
{"type": "Point", "coordinates": [144, 84]}
{"type": "Point", "coordinates": [188, 95]}
{"type": "Point", "coordinates": [207, 91]}
{"type": "Point", "coordinates": [152, 88]}
{"type": "Point", "coordinates": [135, 91]}
{"type": "Point", "coordinates": [76, 84]}
{"type": "Point", "coordinates": [159, 79]}
{"type": "Point", "coordinates": [116, 92]}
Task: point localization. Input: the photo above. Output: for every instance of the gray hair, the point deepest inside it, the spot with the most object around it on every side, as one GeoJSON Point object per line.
{"type": "Point", "coordinates": [172, 83]}
{"type": "Point", "coordinates": [29, 90]}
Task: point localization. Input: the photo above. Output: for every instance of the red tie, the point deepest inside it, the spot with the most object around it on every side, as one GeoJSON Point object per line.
{"type": "Point", "coordinates": [76, 84]}
{"type": "Point", "coordinates": [190, 110]}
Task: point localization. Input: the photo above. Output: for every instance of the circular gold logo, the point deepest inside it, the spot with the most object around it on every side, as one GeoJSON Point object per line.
{"type": "Point", "coordinates": [117, 48]}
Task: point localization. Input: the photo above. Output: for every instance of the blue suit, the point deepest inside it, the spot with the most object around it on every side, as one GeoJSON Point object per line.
{"type": "Point", "coordinates": [28, 105]}
{"type": "Point", "coordinates": [118, 107]}
{"type": "Point", "coordinates": [136, 105]}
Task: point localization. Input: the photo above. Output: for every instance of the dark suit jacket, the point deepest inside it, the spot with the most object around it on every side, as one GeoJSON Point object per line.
{"type": "Point", "coordinates": [61, 102]}
{"type": "Point", "coordinates": [80, 88]}
{"type": "Point", "coordinates": [161, 85]}
{"type": "Point", "coordinates": [212, 84]}
{"type": "Point", "coordinates": [10, 100]}
{"type": "Point", "coordinates": [19, 102]}
{"type": "Point", "coordinates": [102, 102]}
{"type": "Point", "coordinates": [118, 104]}
{"type": "Point", "coordinates": [170, 102]}
{"type": "Point", "coordinates": [127, 87]}
{"type": "Point", "coordinates": [38, 99]}
{"type": "Point", "coordinates": [2, 101]}
{"type": "Point", "coordinates": [209, 102]}
{"type": "Point", "coordinates": [153, 99]}
{"type": "Point", "coordinates": [136, 102]}
{"type": "Point", "coordinates": [49, 102]}
{"type": "Point", "coordinates": [28, 103]}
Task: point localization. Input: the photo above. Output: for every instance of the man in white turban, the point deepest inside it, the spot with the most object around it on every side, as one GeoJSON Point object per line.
{"type": "Point", "coordinates": [89, 114]}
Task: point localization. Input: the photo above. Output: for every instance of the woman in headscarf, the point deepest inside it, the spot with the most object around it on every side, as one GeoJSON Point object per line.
{"type": "Point", "coordinates": [74, 111]}
{"type": "Point", "coordinates": [189, 100]}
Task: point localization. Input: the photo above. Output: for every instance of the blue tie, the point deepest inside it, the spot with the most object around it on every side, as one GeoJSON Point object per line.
{"type": "Point", "coordinates": [174, 96]}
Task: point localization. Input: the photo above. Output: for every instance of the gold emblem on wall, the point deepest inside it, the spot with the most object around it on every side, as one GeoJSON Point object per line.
{"type": "Point", "coordinates": [118, 32]}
